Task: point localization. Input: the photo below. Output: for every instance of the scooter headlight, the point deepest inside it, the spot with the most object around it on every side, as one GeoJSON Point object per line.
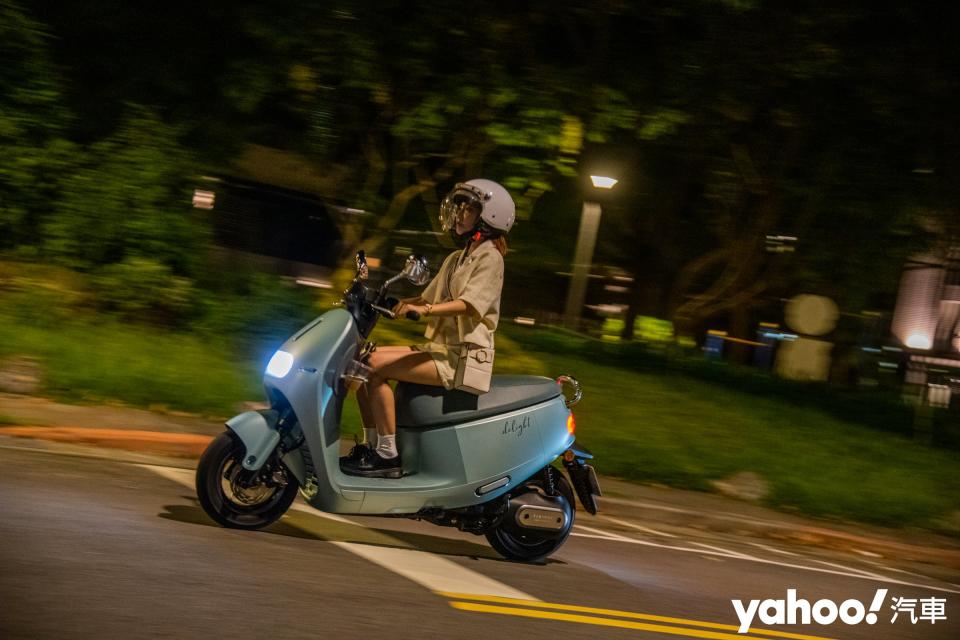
{"type": "Point", "coordinates": [280, 364]}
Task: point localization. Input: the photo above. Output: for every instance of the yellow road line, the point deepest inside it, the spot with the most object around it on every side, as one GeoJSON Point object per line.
{"type": "Point", "coordinates": [603, 622]}
{"type": "Point", "coordinates": [620, 614]}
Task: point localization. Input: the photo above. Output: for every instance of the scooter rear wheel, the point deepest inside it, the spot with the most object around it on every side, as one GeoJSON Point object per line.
{"type": "Point", "coordinates": [533, 546]}
{"type": "Point", "coordinates": [229, 494]}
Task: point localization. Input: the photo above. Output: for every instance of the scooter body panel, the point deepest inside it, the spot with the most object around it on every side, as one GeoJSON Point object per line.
{"type": "Point", "coordinates": [256, 429]}
{"type": "Point", "coordinates": [448, 467]}
{"type": "Point", "coordinates": [313, 390]}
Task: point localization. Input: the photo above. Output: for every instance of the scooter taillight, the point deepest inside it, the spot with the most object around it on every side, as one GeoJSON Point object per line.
{"type": "Point", "coordinates": [571, 423]}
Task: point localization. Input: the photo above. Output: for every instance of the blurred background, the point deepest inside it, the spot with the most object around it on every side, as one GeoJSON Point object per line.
{"type": "Point", "coordinates": [737, 219]}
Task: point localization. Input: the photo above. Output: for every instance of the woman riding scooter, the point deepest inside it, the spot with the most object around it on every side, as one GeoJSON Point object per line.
{"type": "Point", "coordinates": [462, 307]}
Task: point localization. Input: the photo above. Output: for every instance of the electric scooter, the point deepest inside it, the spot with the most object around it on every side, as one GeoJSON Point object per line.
{"type": "Point", "coordinates": [481, 463]}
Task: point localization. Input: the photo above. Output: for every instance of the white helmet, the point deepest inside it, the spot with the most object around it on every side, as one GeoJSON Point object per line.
{"type": "Point", "coordinates": [497, 210]}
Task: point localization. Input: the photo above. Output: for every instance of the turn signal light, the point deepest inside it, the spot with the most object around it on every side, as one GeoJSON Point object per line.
{"type": "Point", "coordinates": [571, 424]}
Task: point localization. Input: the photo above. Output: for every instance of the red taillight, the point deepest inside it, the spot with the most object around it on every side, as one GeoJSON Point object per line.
{"type": "Point", "coordinates": [571, 423]}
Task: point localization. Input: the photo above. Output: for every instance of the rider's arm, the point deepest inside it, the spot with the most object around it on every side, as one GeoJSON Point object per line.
{"type": "Point", "coordinates": [452, 308]}
{"type": "Point", "coordinates": [441, 309]}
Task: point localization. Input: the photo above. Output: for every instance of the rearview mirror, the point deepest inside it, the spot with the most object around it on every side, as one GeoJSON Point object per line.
{"type": "Point", "coordinates": [362, 271]}
{"type": "Point", "coordinates": [415, 270]}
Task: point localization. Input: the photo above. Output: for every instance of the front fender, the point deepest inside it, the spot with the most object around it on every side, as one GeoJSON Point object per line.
{"type": "Point", "coordinates": [258, 432]}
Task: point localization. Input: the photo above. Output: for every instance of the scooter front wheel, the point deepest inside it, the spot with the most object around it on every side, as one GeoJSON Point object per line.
{"type": "Point", "coordinates": [530, 545]}
{"type": "Point", "coordinates": [238, 498]}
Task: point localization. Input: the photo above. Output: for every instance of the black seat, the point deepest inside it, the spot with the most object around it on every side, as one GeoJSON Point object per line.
{"type": "Point", "coordinates": [420, 406]}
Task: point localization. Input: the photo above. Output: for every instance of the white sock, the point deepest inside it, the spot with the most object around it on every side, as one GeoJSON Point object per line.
{"type": "Point", "coordinates": [387, 446]}
{"type": "Point", "coordinates": [370, 435]}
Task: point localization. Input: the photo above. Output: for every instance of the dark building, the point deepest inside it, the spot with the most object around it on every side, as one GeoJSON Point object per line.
{"type": "Point", "coordinates": [294, 232]}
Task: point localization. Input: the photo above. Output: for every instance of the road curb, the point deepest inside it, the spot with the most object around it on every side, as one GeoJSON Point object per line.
{"type": "Point", "coordinates": [180, 445]}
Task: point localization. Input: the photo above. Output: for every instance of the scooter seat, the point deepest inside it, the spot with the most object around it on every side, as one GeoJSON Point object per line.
{"type": "Point", "coordinates": [420, 406]}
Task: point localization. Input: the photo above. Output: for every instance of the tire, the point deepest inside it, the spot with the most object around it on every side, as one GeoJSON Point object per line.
{"type": "Point", "coordinates": [532, 546]}
{"type": "Point", "coordinates": [231, 505]}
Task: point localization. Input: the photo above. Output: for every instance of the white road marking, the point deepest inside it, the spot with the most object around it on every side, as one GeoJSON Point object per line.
{"type": "Point", "coordinates": [721, 550]}
{"type": "Point", "coordinates": [305, 508]}
{"type": "Point", "coordinates": [605, 535]}
{"type": "Point", "coordinates": [180, 476]}
{"type": "Point", "coordinates": [608, 535]}
{"type": "Point", "coordinates": [433, 572]}
{"type": "Point", "coordinates": [639, 527]}
{"type": "Point", "coordinates": [866, 574]}
{"type": "Point", "coordinates": [424, 568]}
{"type": "Point", "coordinates": [661, 507]}
{"type": "Point", "coordinates": [904, 571]}
{"type": "Point", "coordinates": [775, 550]}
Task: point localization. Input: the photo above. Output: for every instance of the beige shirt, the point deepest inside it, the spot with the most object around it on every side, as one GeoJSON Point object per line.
{"type": "Point", "coordinates": [476, 279]}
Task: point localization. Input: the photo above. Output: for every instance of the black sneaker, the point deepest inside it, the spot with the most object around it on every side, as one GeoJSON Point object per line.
{"type": "Point", "coordinates": [359, 450]}
{"type": "Point", "coordinates": [372, 465]}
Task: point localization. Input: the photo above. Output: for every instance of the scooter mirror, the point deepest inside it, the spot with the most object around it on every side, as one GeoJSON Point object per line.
{"type": "Point", "coordinates": [416, 271]}
{"type": "Point", "coordinates": [362, 271]}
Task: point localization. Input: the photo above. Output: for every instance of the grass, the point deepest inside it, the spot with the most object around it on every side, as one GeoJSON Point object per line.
{"type": "Point", "coordinates": [643, 425]}
{"type": "Point", "coordinates": [106, 360]}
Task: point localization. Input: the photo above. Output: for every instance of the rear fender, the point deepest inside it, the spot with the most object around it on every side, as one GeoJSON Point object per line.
{"type": "Point", "coordinates": [258, 432]}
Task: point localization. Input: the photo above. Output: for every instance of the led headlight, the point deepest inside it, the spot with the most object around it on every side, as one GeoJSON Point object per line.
{"type": "Point", "coordinates": [280, 364]}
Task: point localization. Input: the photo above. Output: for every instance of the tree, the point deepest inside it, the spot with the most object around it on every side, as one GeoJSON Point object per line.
{"type": "Point", "coordinates": [795, 121]}
{"type": "Point", "coordinates": [128, 197]}
{"type": "Point", "coordinates": [33, 122]}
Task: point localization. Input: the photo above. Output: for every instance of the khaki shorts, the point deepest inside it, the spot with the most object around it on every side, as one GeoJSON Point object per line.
{"type": "Point", "coordinates": [446, 360]}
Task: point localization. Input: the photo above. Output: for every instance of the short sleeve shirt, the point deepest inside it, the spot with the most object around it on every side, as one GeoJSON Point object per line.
{"type": "Point", "coordinates": [477, 279]}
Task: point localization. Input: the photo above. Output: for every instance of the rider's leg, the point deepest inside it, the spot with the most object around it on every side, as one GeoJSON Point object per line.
{"type": "Point", "coordinates": [408, 366]}
{"type": "Point", "coordinates": [363, 401]}
{"type": "Point", "coordinates": [366, 417]}
{"type": "Point", "coordinates": [411, 366]}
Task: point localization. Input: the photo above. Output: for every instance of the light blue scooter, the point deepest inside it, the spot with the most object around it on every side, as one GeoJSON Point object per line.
{"type": "Point", "coordinates": [482, 463]}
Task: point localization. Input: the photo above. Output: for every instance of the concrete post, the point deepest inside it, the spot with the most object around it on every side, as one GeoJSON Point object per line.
{"type": "Point", "coordinates": [582, 261]}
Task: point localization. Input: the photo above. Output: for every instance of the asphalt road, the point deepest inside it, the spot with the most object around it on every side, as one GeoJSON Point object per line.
{"type": "Point", "coordinates": [98, 548]}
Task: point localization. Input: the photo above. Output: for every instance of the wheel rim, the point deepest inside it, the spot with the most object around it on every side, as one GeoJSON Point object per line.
{"type": "Point", "coordinates": [236, 493]}
{"type": "Point", "coordinates": [243, 504]}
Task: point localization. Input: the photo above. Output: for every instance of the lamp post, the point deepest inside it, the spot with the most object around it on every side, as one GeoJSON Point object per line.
{"type": "Point", "coordinates": [583, 254]}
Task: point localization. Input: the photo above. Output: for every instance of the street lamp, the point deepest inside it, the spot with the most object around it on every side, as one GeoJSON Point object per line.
{"type": "Point", "coordinates": [603, 182]}
{"type": "Point", "coordinates": [583, 254]}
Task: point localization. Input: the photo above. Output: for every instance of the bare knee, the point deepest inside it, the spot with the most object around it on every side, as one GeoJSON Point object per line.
{"type": "Point", "coordinates": [376, 378]}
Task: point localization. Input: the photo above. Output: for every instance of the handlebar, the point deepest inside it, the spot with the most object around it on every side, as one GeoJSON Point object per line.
{"type": "Point", "coordinates": [387, 312]}
{"type": "Point", "coordinates": [411, 315]}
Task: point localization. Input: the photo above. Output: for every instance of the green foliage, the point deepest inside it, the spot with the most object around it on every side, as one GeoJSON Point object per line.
{"type": "Point", "coordinates": [143, 290]}
{"type": "Point", "coordinates": [107, 359]}
{"type": "Point", "coordinates": [32, 123]}
{"type": "Point", "coordinates": [128, 198]}
{"type": "Point", "coordinates": [257, 316]}
{"type": "Point", "coordinates": [661, 123]}
{"type": "Point", "coordinates": [645, 328]}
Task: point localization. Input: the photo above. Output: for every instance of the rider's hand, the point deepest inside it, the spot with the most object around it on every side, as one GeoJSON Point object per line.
{"type": "Point", "coordinates": [407, 308]}
{"type": "Point", "coordinates": [407, 305]}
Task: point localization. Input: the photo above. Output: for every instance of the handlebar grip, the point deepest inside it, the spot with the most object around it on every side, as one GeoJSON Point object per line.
{"type": "Point", "coordinates": [413, 315]}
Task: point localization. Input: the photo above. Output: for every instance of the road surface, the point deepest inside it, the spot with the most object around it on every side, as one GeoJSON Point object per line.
{"type": "Point", "coordinates": [96, 547]}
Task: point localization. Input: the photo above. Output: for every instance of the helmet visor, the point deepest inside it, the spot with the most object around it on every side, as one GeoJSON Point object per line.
{"type": "Point", "coordinates": [460, 202]}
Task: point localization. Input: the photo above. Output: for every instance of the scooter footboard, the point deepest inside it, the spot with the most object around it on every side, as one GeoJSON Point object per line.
{"type": "Point", "coordinates": [258, 432]}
